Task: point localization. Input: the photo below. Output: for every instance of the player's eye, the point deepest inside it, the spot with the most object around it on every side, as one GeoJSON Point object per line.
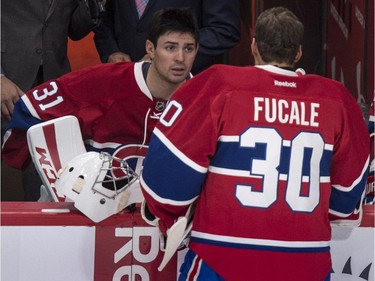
{"type": "Point", "coordinates": [189, 49]}
{"type": "Point", "coordinates": [170, 47]}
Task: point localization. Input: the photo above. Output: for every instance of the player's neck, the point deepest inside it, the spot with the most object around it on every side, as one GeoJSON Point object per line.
{"type": "Point", "coordinates": [286, 67]}
{"type": "Point", "coordinates": [159, 87]}
{"type": "Point", "coordinates": [259, 61]}
{"type": "Point", "coordinates": [281, 65]}
{"type": "Point", "coordinates": [161, 91]}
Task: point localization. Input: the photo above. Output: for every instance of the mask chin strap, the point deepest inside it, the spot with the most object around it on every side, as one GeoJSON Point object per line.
{"type": "Point", "coordinates": [78, 184]}
{"type": "Point", "coordinates": [122, 200]}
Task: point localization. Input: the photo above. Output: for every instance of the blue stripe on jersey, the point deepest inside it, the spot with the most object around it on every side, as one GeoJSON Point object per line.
{"type": "Point", "coordinates": [204, 272]}
{"type": "Point", "coordinates": [168, 176]}
{"type": "Point", "coordinates": [371, 124]}
{"type": "Point", "coordinates": [346, 201]}
{"type": "Point", "coordinates": [261, 247]}
{"type": "Point", "coordinates": [22, 118]}
{"type": "Point", "coordinates": [230, 155]}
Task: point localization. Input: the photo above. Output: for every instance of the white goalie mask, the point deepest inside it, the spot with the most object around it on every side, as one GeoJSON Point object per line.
{"type": "Point", "coordinates": [99, 184]}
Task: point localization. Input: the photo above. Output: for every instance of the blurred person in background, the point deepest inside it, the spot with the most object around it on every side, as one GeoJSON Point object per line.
{"type": "Point", "coordinates": [122, 34]}
{"type": "Point", "coordinates": [34, 39]}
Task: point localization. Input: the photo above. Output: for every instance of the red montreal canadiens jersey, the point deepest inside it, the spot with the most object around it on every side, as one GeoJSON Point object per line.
{"type": "Point", "coordinates": [267, 155]}
{"type": "Point", "coordinates": [111, 101]}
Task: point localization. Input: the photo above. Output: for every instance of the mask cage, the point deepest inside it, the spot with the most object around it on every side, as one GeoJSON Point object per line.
{"type": "Point", "coordinates": [115, 175]}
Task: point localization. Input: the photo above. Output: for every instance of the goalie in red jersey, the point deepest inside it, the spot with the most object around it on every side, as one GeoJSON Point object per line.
{"type": "Point", "coordinates": [117, 105]}
{"type": "Point", "coordinates": [267, 155]}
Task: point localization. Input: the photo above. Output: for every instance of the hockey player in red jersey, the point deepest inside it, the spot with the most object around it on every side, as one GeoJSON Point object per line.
{"type": "Point", "coordinates": [267, 155]}
{"type": "Point", "coordinates": [117, 105]}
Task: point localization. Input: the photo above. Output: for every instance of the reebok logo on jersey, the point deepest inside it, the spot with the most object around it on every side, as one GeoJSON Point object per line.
{"type": "Point", "coordinates": [285, 84]}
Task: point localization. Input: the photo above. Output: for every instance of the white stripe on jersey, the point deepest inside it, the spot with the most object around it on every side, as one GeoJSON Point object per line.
{"type": "Point", "coordinates": [7, 135]}
{"type": "Point", "coordinates": [246, 174]}
{"type": "Point", "coordinates": [356, 181]}
{"type": "Point", "coordinates": [347, 215]}
{"type": "Point", "coordinates": [260, 242]}
{"type": "Point", "coordinates": [285, 142]}
{"type": "Point", "coordinates": [229, 138]}
{"type": "Point", "coordinates": [329, 147]}
{"type": "Point", "coordinates": [278, 70]}
{"type": "Point", "coordinates": [232, 172]}
{"type": "Point", "coordinates": [138, 75]}
{"type": "Point", "coordinates": [178, 153]}
{"type": "Point", "coordinates": [192, 270]}
{"type": "Point", "coordinates": [99, 145]}
{"type": "Point", "coordinates": [30, 107]}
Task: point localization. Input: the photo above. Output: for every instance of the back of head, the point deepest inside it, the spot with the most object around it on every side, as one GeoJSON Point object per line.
{"type": "Point", "coordinates": [278, 34]}
{"type": "Point", "coordinates": [173, 20]}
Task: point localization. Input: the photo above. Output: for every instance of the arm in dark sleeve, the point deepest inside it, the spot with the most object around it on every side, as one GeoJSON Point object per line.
{"type": "Point", "coordinates": [221, 26]}
{"type": "Point", "coordinates": [104, 38]}
{"type": "Point", "coordinates": [81, 22]}
{"type": "Point", "coordinates": [220, 31]}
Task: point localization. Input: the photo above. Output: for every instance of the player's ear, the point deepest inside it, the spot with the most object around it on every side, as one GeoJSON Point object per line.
{"type": "Point", "coordinates": [298, 55]}
{"type": "Point", "coordinates": [254, 48]}
{"type": "Point", "coordinates": [150, 49]}
{"type": "Point", "coordinates": [255, 52]}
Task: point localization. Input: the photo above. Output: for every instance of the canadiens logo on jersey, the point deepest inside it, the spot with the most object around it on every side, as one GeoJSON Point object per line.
{"type": "Point", "coordinates": [133, 154]}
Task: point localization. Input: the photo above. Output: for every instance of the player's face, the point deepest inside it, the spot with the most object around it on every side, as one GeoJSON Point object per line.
{"type": "Point", "coordinates": [173, 56]}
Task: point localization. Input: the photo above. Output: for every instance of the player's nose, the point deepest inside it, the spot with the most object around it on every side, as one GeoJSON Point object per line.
{"type": "Point", "coordinates": [180, 55]}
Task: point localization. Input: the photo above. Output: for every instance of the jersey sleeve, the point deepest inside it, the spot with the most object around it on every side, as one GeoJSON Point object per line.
{"type": "Point", "coordinates": [15, 150]}
{"type": "Point", "coordinates": [47, 101]}
{"type": "Point", "coordinates": [42, 103]}
{"type": "Point", "coordinates": [178, 157]}
{"type": "Point", "coordinates": [350, 162]}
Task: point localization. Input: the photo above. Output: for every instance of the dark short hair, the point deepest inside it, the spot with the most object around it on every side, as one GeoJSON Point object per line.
{"type": "Point", "coordinates": [278, 34]}
{"type": "Point", "coordinates": [173, 20]}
